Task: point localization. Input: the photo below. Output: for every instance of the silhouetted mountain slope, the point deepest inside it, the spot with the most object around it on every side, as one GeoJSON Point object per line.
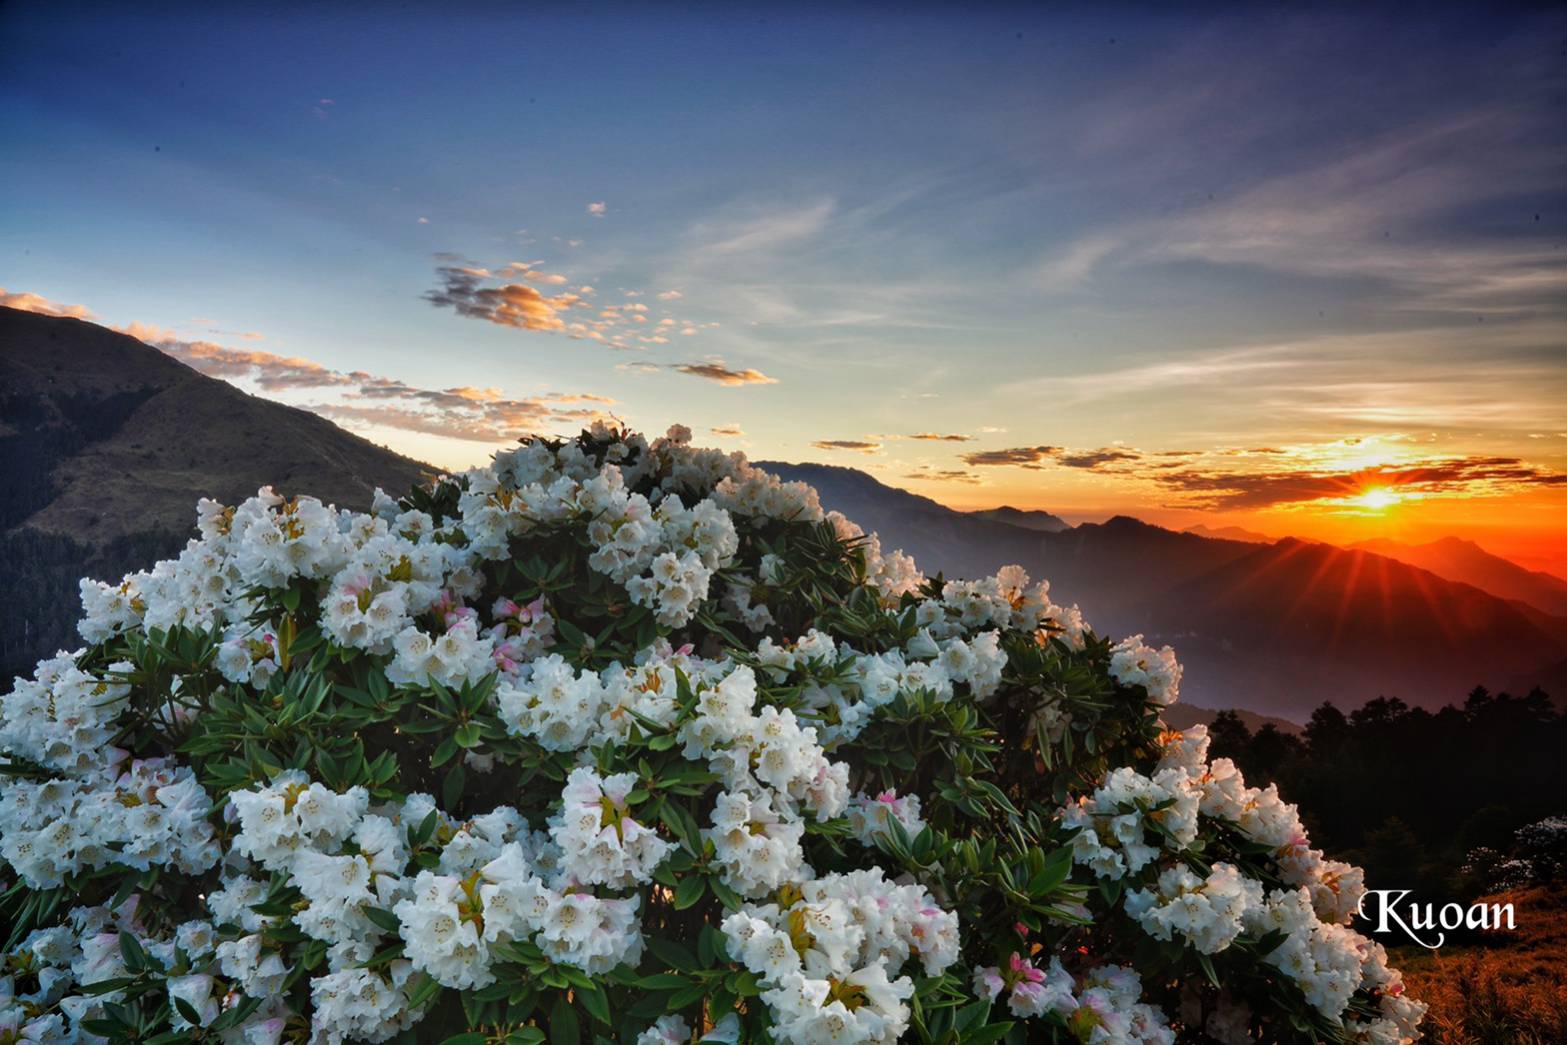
{"type": "Point", "coordinates": [105, 446]}
{"type": "Point", "coordinates": [1028, 520]}
{"type": "Point", "coordinates": [1274, 628]}
{"type": "Point", "coordinates": [1294, 618]}
{"type": "Point", "coordinates": [1461, 560]}
{"type": "Point", "coordinates": [1112, 569]}
{"type": "Point", "coordinates": [938, 537]}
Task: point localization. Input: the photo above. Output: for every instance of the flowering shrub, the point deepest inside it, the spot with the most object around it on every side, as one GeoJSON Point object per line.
{"type": "Point", "coordinates": [1538, 856]}
{"type": "Point", "coordinates": [626, 741]}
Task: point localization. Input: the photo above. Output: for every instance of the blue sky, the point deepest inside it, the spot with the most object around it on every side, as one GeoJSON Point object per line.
{"type": "Point", "coordinates": [1192, 236]}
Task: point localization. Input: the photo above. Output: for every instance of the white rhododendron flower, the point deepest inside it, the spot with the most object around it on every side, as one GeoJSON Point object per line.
{"type": "Point", "coordinates": [620, 739]}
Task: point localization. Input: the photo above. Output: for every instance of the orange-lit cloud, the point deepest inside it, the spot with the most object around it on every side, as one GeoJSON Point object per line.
{"type": "Point", "coordinates": [1041, 456]}
{"type": "Point", "coordinates": [854, 445]}
{"type": "Point", "coordinates": [464, 412]}
{"type": "Point", "coordinates": [937, 437]}
{"type": "Point", "coordinates": [269, 370]}
{"type": "Point", "coordinates": [717, 370]}
{"type": "Point", "coordinates": [43, 306]}
{"type": "Point", "coordinates": [1473, 476]}
{"type": "Point", "coordinates": [942, 475]}
{"type": "Point", "coordinates": [509, 295]}
{"type": "Point", "coordinates": [508, 304]}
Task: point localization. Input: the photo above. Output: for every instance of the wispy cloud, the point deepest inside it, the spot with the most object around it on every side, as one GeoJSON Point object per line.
{"type": "Point", "coordinates": [359, 398]}
{"type": "Point", "coordinates": [1389, 211]}
{"type": "Point", "coordinates": [760, 230]}
{"type": "Point", "coordinates": [938, 437]}
{"type": "Point", "coordinates": [598, 210]}
{"type": "Point", "coordinates": [1017, 455]}
{"type": "Point", "coordinates": [717, 370]}
{"type": "Point", "coordinates": [1039, 456]}
{"type": "Point", "coordinates": [268, 370]}
{"type": "Point", "coordinates": [929, 473]}
{"type": "Point", "coordinates": [1435, 377]}
{"type": "Point", "coordinates": [853, 445]}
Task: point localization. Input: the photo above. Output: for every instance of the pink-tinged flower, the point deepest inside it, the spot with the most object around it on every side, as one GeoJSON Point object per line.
{"type": "Point", "coordinates": [451, 610]}
{"type": "Point", "coordinates": [1023, 970]}
{"type": "Point", "coordinates": [1020, 929]}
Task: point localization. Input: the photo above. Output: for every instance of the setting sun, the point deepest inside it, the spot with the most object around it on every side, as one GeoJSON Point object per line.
{"type": "Point", "coordinates": [1377, 499]}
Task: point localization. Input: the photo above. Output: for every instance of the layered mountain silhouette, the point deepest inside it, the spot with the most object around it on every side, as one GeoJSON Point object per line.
{"type": "Point", "coordinates": [1276, 628]}
{"type": "Point", "coordinates": [106, 444]}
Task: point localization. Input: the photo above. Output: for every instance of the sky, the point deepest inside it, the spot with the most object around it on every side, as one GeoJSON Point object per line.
{"type": "Point", "coordinates": [1296, 272]}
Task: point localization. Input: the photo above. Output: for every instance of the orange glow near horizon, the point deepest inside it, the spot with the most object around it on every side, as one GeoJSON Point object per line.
{"type": "Point", "coordinates": [1352, 489]}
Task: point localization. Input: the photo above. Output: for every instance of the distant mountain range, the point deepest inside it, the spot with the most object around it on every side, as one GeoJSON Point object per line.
{"type": "Point", "coordinates": [1028, 520]}
{"type": "Point", "coordinates": [106, 443]}
{"type": "Point", "coordinates": [1231, 533]}
{"type": "Point", "coordinates": [1276, 628]}
{"type": "Point", "coordinates": [105, 446]}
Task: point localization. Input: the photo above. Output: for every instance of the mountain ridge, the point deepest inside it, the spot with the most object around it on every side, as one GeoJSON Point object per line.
{"type": "Point", "coordinates": [1027, 518]}
{"type": "Point", "coordinates": [106, 444]}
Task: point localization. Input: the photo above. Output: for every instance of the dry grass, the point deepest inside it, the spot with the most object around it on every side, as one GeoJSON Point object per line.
{"type": "Point", "coordinates": [1508, 988]}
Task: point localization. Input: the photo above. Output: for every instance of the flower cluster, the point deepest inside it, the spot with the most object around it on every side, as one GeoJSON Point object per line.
{"type": "Point", "coordinates": [151, 813]}
{"type": "Point", "coordinates": [827, 959]}
{"type": "Point", "coordinates": [1105, 1006]}
{"type": "Point", "coordinates": [625, 739]}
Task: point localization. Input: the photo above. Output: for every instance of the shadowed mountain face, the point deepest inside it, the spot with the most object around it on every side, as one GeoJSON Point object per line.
{"type": "Point", "coordinates": [1276, 628]}
{"type": "Point", "coordinates": [105, 446]}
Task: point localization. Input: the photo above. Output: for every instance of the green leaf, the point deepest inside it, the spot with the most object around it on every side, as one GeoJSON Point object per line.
{"type": "Point", "coordinates": [690, 890]}
{"type": "Point", "coordinates": [675, 955]}
{"type": "Point", "coordinates": [595, 1001]}
{"type": "Point", "coordinates": [131, 951]}
{"type": "Point", "coordinates": [565, 1028]}
{"type": "Point", "coordinates": [383, 919]}
{"type": "Point", "coordinates": [451, 787]}
{"type": "Point", "coordinates": [426, 828]}
{"type": "Point", "coordinates": [188, 1011]}
{"type": "Point", "coordinates": [425, 989]}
